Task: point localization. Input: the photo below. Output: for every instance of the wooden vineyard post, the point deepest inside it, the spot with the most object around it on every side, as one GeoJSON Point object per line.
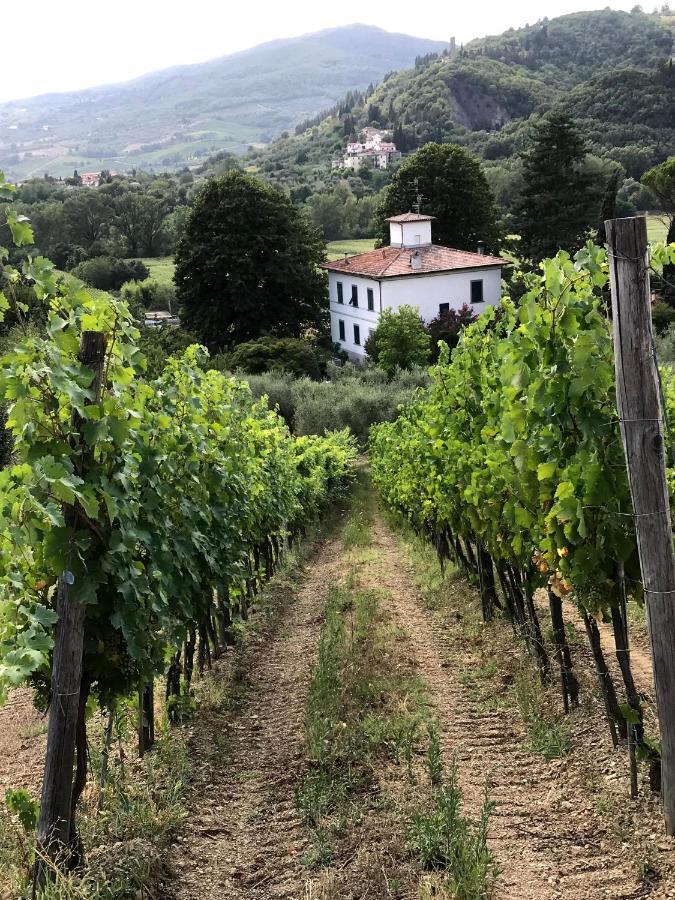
{"type": "Point", "coordinates": [146, 716]}
{"type": "Point", "coordinates": [54, 827]}
{"type": "Point", "coordinates": [640, 413]}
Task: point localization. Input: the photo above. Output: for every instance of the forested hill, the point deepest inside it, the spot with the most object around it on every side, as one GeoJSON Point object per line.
{"type": "Point", "coordinates": [187, 113]}
{"type": "Point", "coordinates": [611, 70]}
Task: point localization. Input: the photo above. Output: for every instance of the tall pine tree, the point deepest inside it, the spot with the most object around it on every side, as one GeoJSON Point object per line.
{"type": "Point", "coordinates": [560, 201]}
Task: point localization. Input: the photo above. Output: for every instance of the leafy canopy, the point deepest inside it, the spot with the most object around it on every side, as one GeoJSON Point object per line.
{"type": "Point", "coordinates": [453, 188]}
{"type": "Point", "coordinates": [560, 200]}
{"type": "Point", "coordinates": [248, 264]}
{"type": "Point", "coordinates": [400, 340]}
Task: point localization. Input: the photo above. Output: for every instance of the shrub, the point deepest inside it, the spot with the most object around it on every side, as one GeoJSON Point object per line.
{"type": "Point", "coordinates": [107, 273]}
{"type": "Point", "coordinates": [277, 387]}
{"type": "Point", "coordinates": [448, 325]}
{"type": "Point", "coordinates": [292, 355]}
{"type": "Point", "coordinates": [353, 397]}
{"type": "Point", "coordinates": [665, 346]}
{"type": "Point", "coordinates": [159, 343]}
{"type": "Point", "coordinates": [400, 340]}
{"type": "Point", "coordinates": [150, 294]}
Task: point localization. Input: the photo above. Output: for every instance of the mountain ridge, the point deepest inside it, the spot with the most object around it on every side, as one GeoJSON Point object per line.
{"type": "Point", "coordinates": [612, 71]}
{"type": "Point", "coordinates": [163, 119]}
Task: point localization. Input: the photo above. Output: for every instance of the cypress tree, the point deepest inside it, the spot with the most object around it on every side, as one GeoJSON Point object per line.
{"type": "Point", "coordinates": [560, 202]}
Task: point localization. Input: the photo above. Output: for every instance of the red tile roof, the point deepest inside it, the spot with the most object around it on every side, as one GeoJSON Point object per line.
{"type": "Point", "coordinates": [410, 217]}
{"type": "Point", "coordinates": [393, 262]}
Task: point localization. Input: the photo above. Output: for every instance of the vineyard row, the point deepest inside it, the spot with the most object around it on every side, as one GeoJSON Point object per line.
{"type": "Point", "coordinates": [512, 463]}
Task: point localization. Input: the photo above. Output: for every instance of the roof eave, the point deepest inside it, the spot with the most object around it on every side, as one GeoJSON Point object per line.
{"type": "Point", "coordinates": [378, 276]}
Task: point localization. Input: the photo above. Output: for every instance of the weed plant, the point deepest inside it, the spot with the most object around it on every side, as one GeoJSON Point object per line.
{"type": "Point", "coordinates": [446, 841]}
{"type": "Point", "coordinates": [546, 734]}
{"type": "Point", "coordinates": [360, 708]}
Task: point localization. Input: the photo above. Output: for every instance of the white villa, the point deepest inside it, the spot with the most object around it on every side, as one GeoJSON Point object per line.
{"type": "Point", "coordinates": [411, 270]}
{"type": "Point", "coordinates": [373, 149]}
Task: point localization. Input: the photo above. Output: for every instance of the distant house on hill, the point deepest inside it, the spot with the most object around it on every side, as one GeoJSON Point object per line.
{"type": "Point", "coordinates": [411, 270]}
{"type": "Point", "coordinates": [374, 149]}
{"type": "Point", "coordinates": [92, 179]}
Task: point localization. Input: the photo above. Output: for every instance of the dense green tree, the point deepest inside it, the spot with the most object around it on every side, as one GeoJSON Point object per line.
{"type": "Point", "coordinates": [452, 187]}
{"type": "Point", "coordinates": [560, 201]}
{"type": "Point", "coordinates": [50, 230]}
{"type": "Point", "coordinates": [400, 340]}
{"type": "Point", "coordinates": [140, 217]}
{"type": "Point", "coordinates": [248, 264]}
{"type": "Point", "coordinates": [86, 215]}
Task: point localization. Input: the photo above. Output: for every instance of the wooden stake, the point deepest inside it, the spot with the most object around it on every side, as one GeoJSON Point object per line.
{"type": "Point", "coordinates": [642, 432]}
{"type": "Point", "coordinates": [54, 827]}
{"type": "Point", "coordinates": [146, 716]}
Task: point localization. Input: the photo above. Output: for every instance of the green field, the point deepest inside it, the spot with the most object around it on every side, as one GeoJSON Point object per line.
{"type": "Point", "coordinates": [337, 249]}
{"type": "Point", "coordinates": [657, 228]}
{"type": "Point", "coordinates": [161, 268]}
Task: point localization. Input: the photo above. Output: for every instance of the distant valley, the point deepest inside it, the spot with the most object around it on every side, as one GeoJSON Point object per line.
{"type": "Point", "coordinates": [181, 116]}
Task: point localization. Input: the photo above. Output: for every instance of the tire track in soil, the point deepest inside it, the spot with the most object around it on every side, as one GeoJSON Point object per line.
{"type": "Point", "coordinates": [244, 839]}
{"type": "Point", "coordinates": [546, 843]}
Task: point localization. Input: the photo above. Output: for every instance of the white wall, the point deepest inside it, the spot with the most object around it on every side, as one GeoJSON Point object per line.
{"type": "Point", "coordinates": [428, 291]}
{"type": "Point", "coordinates": [361, 316]}
{"type": "Point", "coordinates": [409, 234]}
{"type": "Point", "coordinates": [425, 292]}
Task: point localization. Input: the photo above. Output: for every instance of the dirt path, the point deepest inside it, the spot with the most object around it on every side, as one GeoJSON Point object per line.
{"type": "Point", "coordinates": [244, 839]}
{"type": "Point", "coordinates": [22, 743]}
{"type": "Point", "coordinates": [546, 837]}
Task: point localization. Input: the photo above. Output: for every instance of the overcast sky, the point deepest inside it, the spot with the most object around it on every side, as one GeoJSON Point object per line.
{"type": "Point", "coordinates": [62, 45]}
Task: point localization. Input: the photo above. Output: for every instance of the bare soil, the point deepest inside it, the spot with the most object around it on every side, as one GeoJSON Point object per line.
{"type": "Point", "coordinates": [561, 829]}
{"type": "Point", "coordinates": [244, 839]}
{"type": "Point", "coordinates": [23, 737]}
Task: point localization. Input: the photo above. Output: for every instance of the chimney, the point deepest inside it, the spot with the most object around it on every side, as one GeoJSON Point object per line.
{"type": "Point", "coordinates": [416, 261]}
{"type": "Point", "coordinates": [480, 249]}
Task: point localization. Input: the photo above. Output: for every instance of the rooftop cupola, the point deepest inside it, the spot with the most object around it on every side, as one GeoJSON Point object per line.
{"type": "Point", "coordinates": [410, 230]}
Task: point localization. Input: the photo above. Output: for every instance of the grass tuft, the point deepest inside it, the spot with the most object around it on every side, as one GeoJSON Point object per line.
{"type": "Point", "coordinates": [446, 841]}
{"type": "Point", "coordinates": [546, 734]}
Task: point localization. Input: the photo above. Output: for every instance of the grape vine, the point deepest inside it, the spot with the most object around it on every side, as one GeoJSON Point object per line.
{"type": "Point", "coordinates": [162, 505]}
{"type": "Point", "coordinates": [514, 455]}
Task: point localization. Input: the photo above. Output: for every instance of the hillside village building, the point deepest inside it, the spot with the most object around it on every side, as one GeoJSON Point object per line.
{"type": "Point", "coordinates": [373, 150]}
{"type": "Point", "coordinates": [412, 271]}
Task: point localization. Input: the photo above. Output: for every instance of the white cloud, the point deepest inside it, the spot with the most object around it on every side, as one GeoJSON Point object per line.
{"type": "Point", "coordinates": [71, 44]}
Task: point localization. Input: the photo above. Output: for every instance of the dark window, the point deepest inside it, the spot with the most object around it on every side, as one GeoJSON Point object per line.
{"type": "Point", "coordinates": [477, 291]}
{"type": "Point", "coordinates": [371, 299]}
{"type": "Point", "coordinates": [443, 308]}
{"type": "Point", "coordinates": [357, 335]}
{"type": "Point", "coordinates": [341, 329]}
{"type": "Point", "coordinates": [341, 298]}
{"type": "Point", "coordinates": [355, 296]}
